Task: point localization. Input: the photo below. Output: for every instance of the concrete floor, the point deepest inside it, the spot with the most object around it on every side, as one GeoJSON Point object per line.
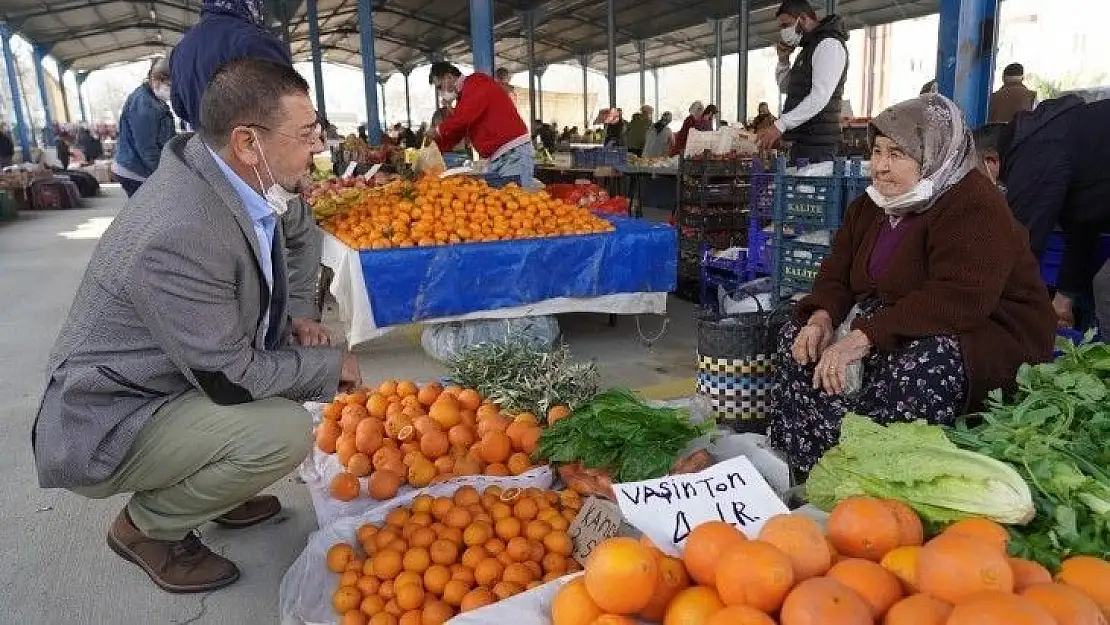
{"type": "Point", "coordinates": [55, 566]}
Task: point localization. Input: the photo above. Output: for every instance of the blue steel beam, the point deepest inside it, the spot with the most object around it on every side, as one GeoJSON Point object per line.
{"type": "Point", "coordinates": [40, 53]}
{"type": "Point", "coordinates": [317, 57]}
{"type": "Point", "coordinates": [481, 35]}
{"type": "Point", "coordinates": [965, 57]}
{"type": "Point", "coordinates": [612, 73]}
{"type": "Point", "coordinates": [530, 38]}
{"type": "Point", "coordinates": [742, 60]}
{"type": "Point", "coordinates": [369, 70]}
{"type": "Point", "coordinates": [13, 82]}
{"type": "Point", "coordinates": [584, 61]}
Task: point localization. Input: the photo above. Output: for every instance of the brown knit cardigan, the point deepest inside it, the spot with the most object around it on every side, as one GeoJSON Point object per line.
{"type": "Point", "coordinates": [963, 269]}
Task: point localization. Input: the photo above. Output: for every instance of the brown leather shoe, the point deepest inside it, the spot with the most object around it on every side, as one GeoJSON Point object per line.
{"type": "Point", "coordinates": [251, 512]}
{"type": "Point", "coordinates": [176, 566]}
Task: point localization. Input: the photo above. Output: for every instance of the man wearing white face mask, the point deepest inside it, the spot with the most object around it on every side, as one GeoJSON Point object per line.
{"type": "Point", "coordinates": [145, 127]}
{"type": "Point", "coordinates": [814, 85]}
{"type": "Point", "coordinates": [175, 376]}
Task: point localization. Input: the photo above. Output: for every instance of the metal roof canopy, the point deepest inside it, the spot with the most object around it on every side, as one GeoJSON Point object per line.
{"type": "Point", "coordinates": [85, 35]}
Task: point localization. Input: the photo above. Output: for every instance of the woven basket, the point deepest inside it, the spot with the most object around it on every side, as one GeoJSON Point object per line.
{"type": "Point", "coordinates": [736, 366]}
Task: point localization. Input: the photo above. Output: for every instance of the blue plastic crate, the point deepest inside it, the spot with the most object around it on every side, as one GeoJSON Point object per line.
{"type": "Point", "coordinates": [454, 159]}
{"type": "Point", "coordinates": [761, 252]}
{"type": "Point", "coordinates": [726, 272]}
{"type": "Point", "coordinates": [761, 192]}
{"type": "Point", "coordinates": [816, 200]}
{"type": "Point", "coordinates": [583, 157]}
{"type": "Point", "coordinates": [798, 264]}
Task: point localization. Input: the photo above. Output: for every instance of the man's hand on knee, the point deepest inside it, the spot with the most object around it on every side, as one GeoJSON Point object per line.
{"type": "Point", "coordinates": [309, 333]}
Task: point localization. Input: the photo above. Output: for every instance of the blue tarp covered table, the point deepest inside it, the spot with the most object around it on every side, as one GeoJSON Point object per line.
{"type": "Point", "coordinates": [419, 284]}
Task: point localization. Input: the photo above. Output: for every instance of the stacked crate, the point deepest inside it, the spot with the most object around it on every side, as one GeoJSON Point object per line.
{"type": "Point", "coordinates": [712, 212]}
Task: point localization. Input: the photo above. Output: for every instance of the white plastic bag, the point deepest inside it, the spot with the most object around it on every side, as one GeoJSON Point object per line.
{"type": "Point", "coordinates": [443, 341]}
{"type": "Point", "coordinates": [307, 586]}
{"type": "Point", "coordinates": [319, 468]}
{"type": "Point", "coordinates": [527, 608]}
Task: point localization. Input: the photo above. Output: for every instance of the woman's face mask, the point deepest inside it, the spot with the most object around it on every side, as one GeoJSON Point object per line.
{"type": "Point", "coordinates": [162, 91]}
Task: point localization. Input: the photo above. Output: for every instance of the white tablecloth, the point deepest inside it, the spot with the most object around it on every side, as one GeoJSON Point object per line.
{"type": "Point", "coordinates": [349, 290]}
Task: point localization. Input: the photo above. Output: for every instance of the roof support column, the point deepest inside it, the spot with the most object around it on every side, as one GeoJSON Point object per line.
{"type": "Point", "coordinates": [317, 57]}
{"type": "Point", "coordinates": [655, 79]}
{"type": "Point", "coordinates": [641, 49]}
{"type": "Point", "coordinates": [718, 56]}
{"type": "Point", "coordinates": [965, 56]}
{"type": "Point", "coordinates": [744, 24]}
{"type": "Point", "coordinates": [539, 89]}
{"type": "Point", "coordinates": [385, 114]}
{"type": "Point", "coordinates": [481, 35]}
{"type": "Point", "coordinates": [13, 82]}
{"type": "Point", "coordinates": [830, 7]}
{"type": "Point", "coordinates": [408, 103]}
{"type": "Point", "coordinates": [80, 78]}
{"type": "Point", "coordinates": [584, 61]}
{"type": "Point", "coordinates": [40, 53]}
{"type": "Point", "coordinates": [369, 69]}
{"type": "Point", "coordinates": [530, 40]}
{"type": "Point", "coordinates": [612, 73]}
{"type": "Point", "coordinates": [62, 71]}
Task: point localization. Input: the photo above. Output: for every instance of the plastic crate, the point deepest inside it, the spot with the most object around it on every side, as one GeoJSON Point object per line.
{"type": "Point", "coordinates": [454, 159]}
{"type": "Point", "coordinates": [855, 183]}
{"type": "Point", "coordinates": [711, 218]}
{"type": "Point", "coordinates": [761, 252]}
{"type": "Point", "coordinates": [715, 271]}
{"type": "Point", "coordinates": [761, 191]}
{"type": "Point", "coordinates": [797, 268]}
{"type": "Point", "coordinates": [734, 192]}
{"type": "Point", "coordinates": [598, 157]}
{"type": "Point", "coordinates": [815, 200]}
{"type": "Point", "coordinates": [696, 166]}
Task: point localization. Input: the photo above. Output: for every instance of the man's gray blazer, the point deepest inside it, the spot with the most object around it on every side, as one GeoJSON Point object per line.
{"type": "Point", "coordinates": [173, 299]}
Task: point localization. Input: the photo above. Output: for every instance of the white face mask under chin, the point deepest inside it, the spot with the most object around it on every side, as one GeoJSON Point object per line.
{"type": "Point", "coordinates": [276, 195]}
{"type": "Point", "coordinates": [920, 193]}
{"type": "Point", "coordinates": [790, 35]}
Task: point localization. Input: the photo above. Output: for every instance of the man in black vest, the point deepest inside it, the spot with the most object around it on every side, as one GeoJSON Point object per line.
{"type": "Point", "coordinates": [813, 86]}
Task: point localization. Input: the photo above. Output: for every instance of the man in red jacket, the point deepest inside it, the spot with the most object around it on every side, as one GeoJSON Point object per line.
{"type": "Point", "coordinates": [486, 116]}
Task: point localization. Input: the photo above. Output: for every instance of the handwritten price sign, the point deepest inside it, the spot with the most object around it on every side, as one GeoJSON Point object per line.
{"type": "Point", "coordinates": [669, 508]}
{"type": "Point", "coordinates": [597, 520]}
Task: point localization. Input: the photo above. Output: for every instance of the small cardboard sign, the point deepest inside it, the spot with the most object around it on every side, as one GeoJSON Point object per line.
{"type": "Point", "coordinates": [350, 169]}
{"type": "Point", "coordinates": [667, 509]}
{"type": "Point", "coordinates": [597, 520]}
{"type": "Point", "coordinates": [373, 170]}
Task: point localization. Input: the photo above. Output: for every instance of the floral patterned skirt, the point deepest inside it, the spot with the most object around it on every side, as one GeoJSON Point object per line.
{"type": "Point", "coordinates": [925, 379]}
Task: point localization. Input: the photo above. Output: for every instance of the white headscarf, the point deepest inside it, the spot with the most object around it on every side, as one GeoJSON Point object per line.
{"type": "Point", "coordinates": [697, 108]}
{"type": "Point", "coordinates": [930, 129]}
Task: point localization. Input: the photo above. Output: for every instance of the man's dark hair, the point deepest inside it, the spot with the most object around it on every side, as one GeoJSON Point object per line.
{"type": "Point", "coordinates": [988, 138]}
{"type": "Point", "coordinates": [441, 69]}
{"type": "Point", "coordinates": [1014, 70]}
{"type": "Point", "coordinates": [796, 8]}
{"type": "Point", "coordinates": [243, 92]}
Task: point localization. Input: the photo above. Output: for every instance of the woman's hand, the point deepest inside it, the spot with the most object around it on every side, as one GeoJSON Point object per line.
{"type": "Point", "coordinates": [831, 372]}
{"type": "Point", "coordinates": [813, 338]}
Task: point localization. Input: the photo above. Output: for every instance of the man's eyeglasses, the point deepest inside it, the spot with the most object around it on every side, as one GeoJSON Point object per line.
{"type": "Point", "coordinates": [308, 137]}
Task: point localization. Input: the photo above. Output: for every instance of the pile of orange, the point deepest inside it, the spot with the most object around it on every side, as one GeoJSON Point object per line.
{"type": "Point", "coordinates": [442, 556]}
{"type": "Point", "coordinates": [869, 565]}
{"type": "Point", "coordinates": [400, 433]}
{"type": "Point", "coordinates": [458, 209]}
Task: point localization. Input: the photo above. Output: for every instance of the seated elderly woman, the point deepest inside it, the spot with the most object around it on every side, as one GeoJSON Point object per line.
{"type": "Point", "coordinates": [929, 299]}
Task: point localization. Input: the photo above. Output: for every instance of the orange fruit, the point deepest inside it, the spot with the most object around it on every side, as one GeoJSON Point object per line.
{"type": "Point", "coordinates": [434, 444]}
{"type": "Point", "coordinates": [443, 551]}
{"type": "Point", "coordinates": [824, 601]}
{"type": "Point", "coordinates": [902, 562]}
{"type": "Point", "coordinates": [530, 439]}
{"type": "Point", "coordinates": [620, 576]}
{"type": "Point", "coordinates": [339, 556]}
{"type": "Point", "coordinates": [376, 405]}
{"type": "Point", "coordinates": [429, 393]}
{"type": "Point", "coordinates": [352, 415]}
{"type": "Point", "coordinates": [383, 618]}
{"type": "Point", "coordinates": [863, 527]}
{"type": "Point", "coordinates": [386, 565]}
{"type": "Point", "coordinates": [874, 584]}
{"type": "Point", "coordinates": [910, 530]}
{"type": "Point", "coordinates": [488, 572]}
{"type": "Point", "coordinates": [359, 465]}
{"type": "Point", "coordinates": [558, 541]}
{"type": "Point", "coordinates": [369, 436]}
{"type": "Point", "coordinates": [446, 414]}
{"type": "Point", "coordinates": [477, 598]}
{"type": "Point", "coordinates": [740, 615]}
{"type": "Point", "coordinates": [1090, 576]}
{"type": "Point", "coordinates": [1065, 604]}
{"type": "Point", "coordinates": [417, 560]}
{"type": "Point", "coordinates": [982, 530]}
{"type": "Point", "coordinates": [454, 591]}
{"type": "Point", "coordinates": [495, 447]}
{"type": "Point", "coordinates": [557, 413]}
{"type": "Point", "coordinates": [1028, 573]}
{"type": "Point", "coordinates": [435, 579]}
{"type": "Point", "coordinates": [613, 619]}
{"type": "Point", "coordinates": [345, 447]}
{"type": "Point", "coordinates": [436, 613]}
{"type": "Point", "coordinates": [515, 431]}
{"type": "Point", "coordinates": [693, 606]}
{"type": "Point", "coordinates": [333, 411]}
{"type": "Point", "coordinates": [802, 540]}
{"type": "Point", "coordinates": [670, 580]}
{"type": "Point", "coordinates": [704, 547]}
{"type": "Point", "coordinates": [469, 399]}
{"type": "Point", "coordinates": [344, 486]}
{"type": "Point", "coordinates": [407, 388]}
{"type": "Point", "coordinates": [952, 568]}
{"type": "Point", "coordinates": [461, 436]}
{"type": "Point", "coordinates": [573, 605]}
{"type": "Point", "coordinates": [998, 608]}
{"type": "Point", "coordinates": [327, 434]}
{"type": "Point", "coordinates": [918, 610]}
{"type": "Point", "coordinates": [345, 599]}
{"type": "Point", "coordinates": [410, 597]}
{"type": "Point", "coordinates": [754, 573]}
{"type": "Point", "coordinates": [383, 484]}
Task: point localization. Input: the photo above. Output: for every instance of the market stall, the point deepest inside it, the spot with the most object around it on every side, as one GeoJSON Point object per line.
{"type": "Point", "coordinates": [613, 266]}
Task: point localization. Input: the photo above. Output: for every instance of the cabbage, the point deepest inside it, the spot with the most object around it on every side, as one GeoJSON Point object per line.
{"type": "Point", "coordinates": [916, 463]}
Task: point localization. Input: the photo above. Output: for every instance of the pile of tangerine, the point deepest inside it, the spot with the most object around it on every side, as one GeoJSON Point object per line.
{"type": "Point", "coordinates": [458, 209]}
{"type": "Point", "coordinates": [446, 555]}
{"type": "Point", "coordinates": [400, 433]}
